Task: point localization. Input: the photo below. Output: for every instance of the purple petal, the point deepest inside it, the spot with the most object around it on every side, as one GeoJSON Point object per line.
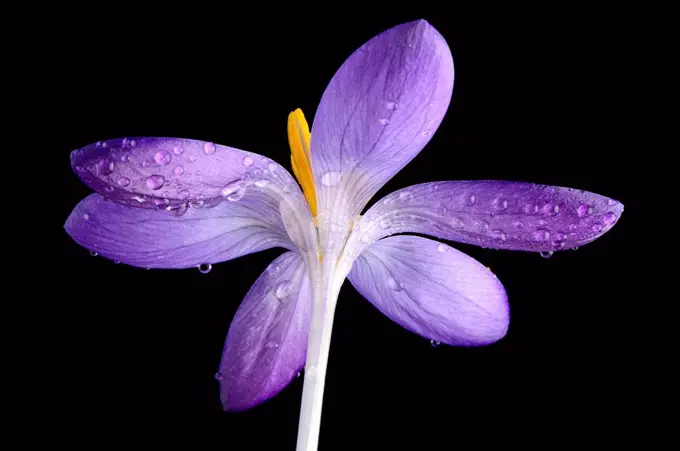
{"type": "Point", "coordinates": [433, 290]}
{"type": "Point", "coordinates": [494, 214]}
{"type": "Point", "coordinates": [161, 239]}
{"type": "Point", "coordinates": [378, 112]}
{"type": "Point", "coordinates": [159, 173]}
{"type": "Point", "coordinates": [266, 344]}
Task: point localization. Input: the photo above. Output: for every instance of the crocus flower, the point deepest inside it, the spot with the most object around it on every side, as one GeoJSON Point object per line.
{"type": "Point", "coordinates": [181, 203]}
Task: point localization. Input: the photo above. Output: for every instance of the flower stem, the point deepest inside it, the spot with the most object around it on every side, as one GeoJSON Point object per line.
{"type": "Point", "coordinates": [325, 295]}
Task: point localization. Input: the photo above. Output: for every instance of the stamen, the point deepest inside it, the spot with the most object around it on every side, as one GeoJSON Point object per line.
{"type": "Point", "coordinates": [300, 158]}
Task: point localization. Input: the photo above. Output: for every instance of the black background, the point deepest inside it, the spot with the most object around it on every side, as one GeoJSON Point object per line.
{"type": "Point", "coordinates": [540, 96]}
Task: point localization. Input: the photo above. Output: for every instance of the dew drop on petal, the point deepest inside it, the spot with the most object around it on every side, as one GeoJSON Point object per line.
{"type": "Point", "coordinates": [384, 121]}
{"type": "Point", "coordinates": [583, 210]}
{"type": "Point", "coordinates": [435, 343]}
{"type": "Point", "coordinates": [547, 254]}
{"type": "Point", "coordinates": [386, 224]}
{"type": "Point", "coordinates": [108, 189]}
{"type": "Point", "coordinates": [105, 167]}
{"type": "Point", "coordinates": [541, 235]}
{"type": "Point", "coordinates": [298, 374]}
{"type": "Point", "coordinates": [248, 162]}
{"type": "Point", "coordinates": [597, 227]}
{"type": "Point", "coordinates": [234, 191]}
{"type": "Point", "coordinates": [86, 216]}
{"type": "Point", "coordinates": [219, 376]}
{"type": "Point", "coordinates": [572, 228]}
{"type": "Point", "coordinates": [559, 236]}
{"type": "Point", "coordinates": [609, 218]}
{"type": "Point", "coordinates": [472, 200]}
{"type": "Point", "coordinates": [331, 179]}
{"type": "Point", "coordinates": [123, 181]}
{"type": "Point", "coordinates": [556, 209]}
{"type": "Point", "coordinates": [518, 224]}
{"type": "Point", "coordinates": [204, 268]}
{"type": "Point", "coordinates": [155, 182]}
{"type": "Point", "coordinates": [178, 210]}
{"type": "Point", "coordinates": [391, 105]}
{"type": "Point", "coordinates": [183, 194]}
{"type": "Point", "coordinates": [504, 204]}
{"type": "Point", "coordinates": [178, 150]}
{"type": "Point", "coordinates": [394, 285]}
{"type": "Point", "coordinates": [162, 157]}
{"type": "Point", "coordinates": [283, 290]}
{"type": "Point", "coordinates": [209, 148]}
{"type": "Point", "coordinates": [125, 158]}
{"type": "Point", "coordinates": [93, 253]}
{"type": "Point", "coordinates": [542, 222]}
{"type": "Point", "coordinates": [192, 158]}
{"type": "Point", "coordinates": [441, 247]}
{"type": "Point", "coordinates": [499, 234]}
{"type": "Point", "coordinates": [179, 170]}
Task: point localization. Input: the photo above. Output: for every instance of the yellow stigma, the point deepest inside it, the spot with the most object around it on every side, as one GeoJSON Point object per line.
{"type": "Point", "coordinates": [300, 158]}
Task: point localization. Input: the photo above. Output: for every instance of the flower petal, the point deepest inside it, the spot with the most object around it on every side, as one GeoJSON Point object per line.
{"type": "Point", "coordinates": [160, 239]}
{"type": "Point", "coordinates": [266, 345]}
{"type": "Point", "coordinates": [158, 172]}
{"type": "Point", "coordinates": [494, 214]}
{"type": "Point", "coordinates": [379, 110]}
{"type": "Point", "coordinates": [433, 290]}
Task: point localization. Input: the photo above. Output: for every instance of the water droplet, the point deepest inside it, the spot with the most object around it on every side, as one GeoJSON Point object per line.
{"type": "Point", "coordinates": [597, 227]}
{"type": "Point", "coordinates": [610, 202]}
{"type": "Point", "coordinates": [161, 202]}
{"type": "Point", "coordinates": [427, 132]}
{"type": "Point", "coordinates": [192, 158]}
{"type": "Point", "coordinates": [283, 289]}
{"type": "Point", "coordinates": [574, 248]}
{"type": "Point", "coordinates": [394, 285]}
{"type": "Point", "coordinates": [386, 224]}
{"type": "Point", "coordinates": [391, 105]}
{"type": "Point", "coordinates": [472, 200]}
{"type": "Point", "coordinates": [116, 262]}
{"type": "Point", "coordinates": [145, 164]}
{"type": "Point", "coordinates": [518, 224]}
{"type": "Point", "coordinates": [546, 254]}
{"type": "Point", "coordinates": [234, 191]}
{"type": "Point", "coordinates": [609, 218]}
{"type": "Point", "coordinates": [558, 244]}
{"type": "Point", "coordinates": [271, 344]}
{"type": "Point", "coordinates": [179, 170]}
{"type": "Point", "coordinates": [542, 222]}
{"type": "Point", "coordinates": [162, 157]}
{"type": "Point", "coordinates": [123, 181]}
{"type": "Point", "coordinates": [155, 182]}
{"type": "Point", "coordinates": [197, 203]}
{"type": "Point", "coordinates": [105, 167]}
{"type": "Point", "coordinates": [133, 143]}
{"type": "Point", "coordinates": [484, 225]}
{"type": "Point", "coordinates": [178, 150]}
{"type": "Point", "coordinates": [125, 142]}
{"type": "Point", "coordinates": [262, 183]}
{"type": "Point", "coordinates": [108, 189]}
{"type": "Point", "coordinates": [183, 194]}
{"type": "Point", "coordinates": [204, 268]}
{"type": "Point", "coordinates": [125, 158]}
{"type": "Point", "coordinates": [384, 121]}
{"type": "Point", "coordinates": [572, 227]}
{"type": "Point", "coordinates": [219, 376]}
{"type": "Point", "coordinates": [178, 210]}
{"type": "Point", "coordinates": [559, 236]}
{"type": "Point", "coordinates": [99, 144]}
{"type": "Point", "coordinates": [331, 179]}
{"type": "Point", "coordinates": [542, 235]}
{"type": "Point", "coordinates": [298, 374]}
{"type": "Point", "coordinates": [584, 210]}
{"type": "Point", "coordinates": [435, 343]}
{"type": "Point", "coordinates": [504, 204]}
{"type": "Point", "coordinates": [556, 209]}
{"type": "Point", "coordinates": [86, 216]}
{"type": "Point", "coordinates": [499, 234]}
{"type": "Point", "coordinates": [248, 162]}
{"type": "Point", "coordinates": [93, 253]}
{"type": "Point", "coordinates": [139, 199]}
{"type": "Point", "coordinates": [209, 148]}
{"type": "Point", "coordinates": [441, 247]}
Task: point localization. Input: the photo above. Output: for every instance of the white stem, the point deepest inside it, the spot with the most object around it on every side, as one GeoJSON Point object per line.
{"type": "Point", "coordinates": [325, 294]}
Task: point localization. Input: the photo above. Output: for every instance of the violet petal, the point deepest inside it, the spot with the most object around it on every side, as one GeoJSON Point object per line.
{"type": "Point", "coordinates": [495, 214]}
{"type": "Point", "coordinates": [266, 345]}
{"type": "Point", "coordinates": [378, 112]}
{"type": "Point", "coordinates": [433, 290]}
{"type": "Point", "coordinates": [160, 172]}
{"type": "Point", "coordinates": [173, 239]}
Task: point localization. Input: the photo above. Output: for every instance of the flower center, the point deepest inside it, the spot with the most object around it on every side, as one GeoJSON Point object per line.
{"type": "Point", "coordinates": [300, 158]}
